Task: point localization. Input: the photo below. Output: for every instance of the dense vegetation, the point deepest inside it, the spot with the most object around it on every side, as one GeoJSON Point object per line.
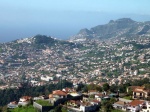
{"type": "Point", "coordinates": [9, 95]}
{"type": "Point", "coordinates": [114, 88]}
{"type": "Point", "coordinates": [42, 39]}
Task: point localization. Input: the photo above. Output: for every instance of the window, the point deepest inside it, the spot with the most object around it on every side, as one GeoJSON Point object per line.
{"type": "Point", "coordinates": [134, 93]}
{"type": "Point", "coordinates": [140, 94]}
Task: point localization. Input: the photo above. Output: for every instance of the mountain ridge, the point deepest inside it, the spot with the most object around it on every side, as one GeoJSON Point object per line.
{"type": "Point", "coordinates": [124, 27]}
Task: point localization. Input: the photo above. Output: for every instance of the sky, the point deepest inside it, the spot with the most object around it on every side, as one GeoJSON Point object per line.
{"type": "Point", "coordinates": [64, 18]}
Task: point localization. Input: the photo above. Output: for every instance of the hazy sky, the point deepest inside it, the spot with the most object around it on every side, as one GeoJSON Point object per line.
{"type": "Point", "coordinates": [63, 18]}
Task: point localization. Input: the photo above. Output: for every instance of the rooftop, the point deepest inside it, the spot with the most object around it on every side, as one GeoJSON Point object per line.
{"type": "Point", "coordinates": [136, 102]}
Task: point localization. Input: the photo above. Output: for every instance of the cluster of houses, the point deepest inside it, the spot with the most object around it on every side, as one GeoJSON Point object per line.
{"type": "Point", "coordinates": [22, 101]}
{"type": "Point", "coordinates": [139, 102]}
{"type": "Point", "coordinates": [42, 66]}
{"type": "Point", "coordinates": [132, 105]}
{"type": "Point", "coordinates": [85, 102]}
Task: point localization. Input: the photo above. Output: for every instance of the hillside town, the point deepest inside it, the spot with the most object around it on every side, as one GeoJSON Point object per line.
{"type": "Point", "coordinates": [115, 62]}
{"type": "Point", "coordinates": [75, 56]}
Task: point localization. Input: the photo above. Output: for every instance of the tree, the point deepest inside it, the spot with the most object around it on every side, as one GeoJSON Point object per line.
{"type": "Point", "coordinates": [80, 87]}
{"type": "Point", "coordinates": [113, 88]}
{"type": "Point", "coordinates": [106, 87]}
{"type": "Point", "coordinates": [112, 100]}
{"type": "Point", "coordinates": [147, 86]}
{"type": "Point", "coordinates": [91, 87]}
{"type": "Point", "coordinates": [130, 92]}
{"type": "Point", "coordinates": [140, 82]}
{"type": "Point", "coordinates": [64, 83]}
{"type": "Point", "coordinates": [107, 106]}
{"type": "Point", "coordinates": [99, 88]}
{"type": "Point", "coordinates": [94, 87]}
{"type": "Point", "coordinates": [85, 89]}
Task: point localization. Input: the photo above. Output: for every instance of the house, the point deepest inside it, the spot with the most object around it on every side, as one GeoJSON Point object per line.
{"type": "Point", "coordinates": [13, 104]}
{"type": "Point", "coordinates": [120, 105]}
{"type": "Point", "coordinates": [140, 93]}
{"type": "Point", "coordinates": [58, 94]}
{"type": "Point", "coordinates": [24, 100]}
{"type": "Point", "coordinates": [46, 78]}
{"type": "Point", "coordinates": [95, 102]}
{"type": "Point", "coordinates": [135, 105]}
{"type": "Point", "coordinates": [88, 106]}
{"type": "Point", "coordinates": [146, 108]}
{"type": "Point", "coordinates": [57, 97]}
{"type": "Point", "coordinates": [131, 88]}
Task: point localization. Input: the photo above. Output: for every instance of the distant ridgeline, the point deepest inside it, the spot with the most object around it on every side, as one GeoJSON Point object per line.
{"type": "Point", "coordinates": [124, 27]}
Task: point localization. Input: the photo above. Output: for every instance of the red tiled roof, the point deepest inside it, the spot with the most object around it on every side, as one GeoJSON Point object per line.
{"type": "Point", "coordinates": [137, 91]}
{"type": "Point", "coordinates": [140, 90]}
{"type": "Point", "coordinates": [120, 102]}
{"type": "Point", "coordinates": [136, 102]}
{"type": "Point", "coordinates": [59, 92]}
{"type": "Point", "coordinates": [133, 87]}
{"type": "Point", "coordinates": [67, 90]}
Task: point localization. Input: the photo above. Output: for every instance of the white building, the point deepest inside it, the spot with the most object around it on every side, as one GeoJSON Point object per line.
{"type": "Point", "coordinates": [46, 78]}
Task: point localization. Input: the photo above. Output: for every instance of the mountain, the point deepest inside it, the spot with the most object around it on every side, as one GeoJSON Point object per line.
{"type": "Point", "coordinates": [124, 27]}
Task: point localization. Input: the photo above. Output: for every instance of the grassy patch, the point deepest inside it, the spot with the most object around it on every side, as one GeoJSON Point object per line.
{"type": "Point", "coordinates": [127, 97]}
{"type": "Point", "coordinates": [24, 109]}
{"type": "Point", "coordinates": [43, 103]}
{"type": "Point", "coordinates": [116, 110]}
